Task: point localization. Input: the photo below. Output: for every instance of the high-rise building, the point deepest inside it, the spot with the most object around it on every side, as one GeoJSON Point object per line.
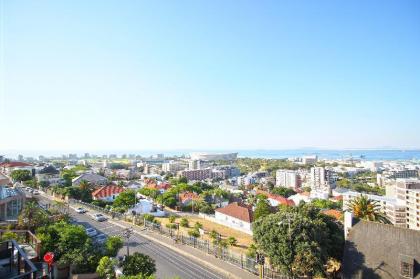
{"type": "Point", "coordinates": [173, 166]}
{"type": "Point", "coordinates": [194, 164]}
{"type": "Point", "coordinates": [408, 193]}
{"type": "Point", "coordinates": [322, 182]}
{"type": "Point", "coordinates": [288, 178]}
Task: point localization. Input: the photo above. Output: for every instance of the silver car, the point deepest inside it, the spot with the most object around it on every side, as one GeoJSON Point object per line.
{"type": "Point", "coordinates": [99, 217]}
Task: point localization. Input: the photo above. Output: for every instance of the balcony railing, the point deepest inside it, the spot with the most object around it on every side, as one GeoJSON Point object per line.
{"type": "Point", "coordinates": [14, 262]}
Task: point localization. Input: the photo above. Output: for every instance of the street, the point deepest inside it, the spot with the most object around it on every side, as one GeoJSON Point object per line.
{"type": "Point", "coordinates": [168, 263]}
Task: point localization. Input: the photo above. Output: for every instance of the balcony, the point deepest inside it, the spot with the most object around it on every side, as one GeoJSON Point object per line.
{"type": "Point", "coordinates": [19, 257]}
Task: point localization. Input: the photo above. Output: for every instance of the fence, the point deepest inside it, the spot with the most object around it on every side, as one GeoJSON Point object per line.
{"type": "Point", "coordinates": [225, 254]}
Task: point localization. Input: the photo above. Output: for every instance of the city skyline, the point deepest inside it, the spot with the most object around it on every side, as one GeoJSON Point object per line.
{"type": "Point", "coordinates": [209, 76]}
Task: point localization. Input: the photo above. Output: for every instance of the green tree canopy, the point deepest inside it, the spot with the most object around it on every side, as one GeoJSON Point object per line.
{"type": "Point", "coordinates": [299, 240]}
{"type": "Point", "coordinates": [283, 191]}
{"type": "Point", "coordinates": [367, 209]}
{"type": "Point", "coordinates": [125, 200]}
{"type": "Point", "coordinates": [262, 209]}
{"type": "Point", "coordinates": [112, 245]}
{"type": "Point", "coordinates": [138, 264]}
{"type": "Point", "coordinates": [21, 175]}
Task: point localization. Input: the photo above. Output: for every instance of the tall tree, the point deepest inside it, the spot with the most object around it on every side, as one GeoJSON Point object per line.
{"type": "Point", "coordinates": [299, 240]}
{"type": "Point", "coordinates": [367, 209]}
{"type": "Point", "coordinates": [138, 264]}
{"type": "Point", "coordinates": [262, 209]}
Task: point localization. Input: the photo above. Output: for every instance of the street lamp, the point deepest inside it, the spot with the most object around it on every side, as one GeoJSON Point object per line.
{"type": "Point", "coordinates": [127, 234]}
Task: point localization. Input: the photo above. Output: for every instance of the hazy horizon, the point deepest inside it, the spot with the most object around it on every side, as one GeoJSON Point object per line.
{"type": "Point", "coordinates": [188, 75]}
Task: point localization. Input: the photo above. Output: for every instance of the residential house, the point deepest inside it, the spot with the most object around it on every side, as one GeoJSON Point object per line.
{"type": "Point", "coordinates": [92, 178]}
{"type": "Point", "coordinates": [8, 167]}
{"type": "Point", "coordinates": [187, 198]}
{"type": "Point", "coordinates": [236, 216]}
{"type": "Point", "coordinates": [107, 193]}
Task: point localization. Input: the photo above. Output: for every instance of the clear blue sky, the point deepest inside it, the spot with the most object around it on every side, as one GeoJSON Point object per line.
{"type": "Point", "coordinates": [90, 75]}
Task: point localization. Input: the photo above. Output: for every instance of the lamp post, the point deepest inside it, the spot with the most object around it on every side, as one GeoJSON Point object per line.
{"type": "Point", "coordinates": [127, 234]}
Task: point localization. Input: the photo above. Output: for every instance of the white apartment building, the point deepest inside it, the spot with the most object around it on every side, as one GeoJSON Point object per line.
{"type": "Point", "coordinates": [173, 166]}
{"type": "Point", "coordinates": [408, 193]}
{"type": "Point", "coordinates": [322, 182]}
{"type": "Point", "coordinates": [288, 178]}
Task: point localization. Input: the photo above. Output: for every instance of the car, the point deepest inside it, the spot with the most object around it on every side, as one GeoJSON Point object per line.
{"type": "Point", "coordinates": [99, 217]}
{"type": "Point", "coordinates": [28, 188]}
{"type": "Point", "coordinates": [36, 192]}
{"type": "Point", "coordinates": [80, 210]}
{"type": "Point", "coordinates": [91, 232]}
{"type": "Point", "coordinates": [101, 238]}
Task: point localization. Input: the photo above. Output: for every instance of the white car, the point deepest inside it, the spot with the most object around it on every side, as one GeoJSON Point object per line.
{"type": "Point", "coordinates": [91, 232]}
{"type": "Point", "coordinates": [99, 217]}
{"type": "Point", "coordinates": [36, 192]}
{"type": "Point", "coordinates": [81, 210]}
{"type": "Point", "coordinates": [101, 238]}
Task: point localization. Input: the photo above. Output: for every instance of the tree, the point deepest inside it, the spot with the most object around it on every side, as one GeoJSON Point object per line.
{"type": "Point", "coordinates": [198, 225]}
{"type": "Point", "coordinates": [367, 209]}
{"type": "Point", "coordinates": [21, 175]}
{"type": "Point", "coordinates": [138, 263]}
{"type": "Point", "coordinates": [106, 267]}
{"type": "Point", "coordinates": [299, 240]}
{"type": "Point", "coordinates": [172, 218]}
{"type": "Point", "coordinates": [262, 209]}
{"type": "Point", "coordinates": [182, 179]}
{"type": "Point", "coordinates": [232, 241]}
{"type": "Point", "coordinates": [326, 204]}
{"type": "Point", "coordinates": [194, 233]}
{"type": "Point", "coordinates": [84, 185]}
{"type": "Point", "coordinates": [32, 216]}
{"type": "Point", "coordinates": [283, 191]}
{"type": "Point", "coordinates": [184, 222]}
{"type": "Point", "coordinates": [112, 245]}
{"type": "Point", "coordinates": [125, 200]}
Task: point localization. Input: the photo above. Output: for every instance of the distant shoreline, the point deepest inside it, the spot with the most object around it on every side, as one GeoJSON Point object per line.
{"type": "Point", "coordinates": [364, 154]}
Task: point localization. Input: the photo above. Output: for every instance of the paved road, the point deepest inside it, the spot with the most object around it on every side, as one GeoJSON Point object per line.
{"type": "Point", "coordinates": [168, 263]}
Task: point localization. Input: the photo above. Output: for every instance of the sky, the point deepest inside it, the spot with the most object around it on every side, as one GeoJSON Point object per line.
{"type": "Point", "coordinates": [105, 75]}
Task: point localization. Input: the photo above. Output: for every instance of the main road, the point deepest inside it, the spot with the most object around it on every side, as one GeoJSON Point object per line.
{"type": "Point", "coordinates": [168, 263]}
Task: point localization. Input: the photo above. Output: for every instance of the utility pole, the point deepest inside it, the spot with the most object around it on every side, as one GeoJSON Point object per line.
{"type": "Point", "coordinates": [127, 234]}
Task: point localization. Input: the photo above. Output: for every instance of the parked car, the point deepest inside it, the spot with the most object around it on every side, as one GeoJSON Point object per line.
{"type": "Point", "coordinates": [36, 192]}
{"type": "Point", "coordinates": [91, 232]}
{"type": "Point", "coordinates": [81, 210]}
{"type": "Point", "coordinates": [101, 238]}
{"type": "Point", "coordinates": [99, 217]}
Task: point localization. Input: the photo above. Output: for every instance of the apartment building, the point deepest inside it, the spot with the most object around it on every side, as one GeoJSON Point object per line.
{"type": "Point", "coordinates": [408, 193]}
{"type": "Point", "coordinates": [322, 182]}
{"type": "Point", "coordinates": [197, 174]}
{"type": "Point", "coordinates": [288, 178]}
{"type": "Point", "coordinates": [173, 166]}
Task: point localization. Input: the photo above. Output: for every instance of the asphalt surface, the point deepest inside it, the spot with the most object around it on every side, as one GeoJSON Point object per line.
{"type": "Point", "coordinates": [168, 263]}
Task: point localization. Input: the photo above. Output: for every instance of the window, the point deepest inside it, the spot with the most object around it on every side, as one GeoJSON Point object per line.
{"type": "Point", "coordinates": [406, 266]}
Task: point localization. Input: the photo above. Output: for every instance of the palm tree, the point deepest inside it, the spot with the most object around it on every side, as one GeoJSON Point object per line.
{"type": "Point", "coordinates": [84, 185]}
{"type": "Point", "coordinates": [367, 209]}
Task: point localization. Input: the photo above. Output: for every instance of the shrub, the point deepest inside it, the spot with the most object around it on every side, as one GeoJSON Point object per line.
{"type": "Point", "coordinates": [232, 241]}
{"type": "Point", "coordinates": [198, 225]}
{"type": "Point", "coordinates": [184, 223]}
{"type": "Point", "coordinates": [194, 233]}
{"type": "Point", "coordinates": [172, 218]}
{"type": "Point", "coordinates": [149, 217]}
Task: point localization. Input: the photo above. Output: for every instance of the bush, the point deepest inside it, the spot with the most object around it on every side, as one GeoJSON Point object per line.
{"type": "Point", "coordinates": [112, 245]}
{"type": "Point", "coordinates": [198, 225]}
{"type": "Point", "coordinates": [232, 241]}
{"type": "Point", "coordinates": [171, 226]}
{"type": "Point", "coordinates": [138, 264]}
{"type": "Point", "coordinates": [149, 217]}
{"type": "Point", "coordinates": [194, 233]}
{"type": "Point", "coordinates": [172, 218]}
{"type": "Point", "coordinates": [8, 235]}
{"type": "Point", "coordinates": [184, 223]}
{"type": "Point", "coordinates": [105, 267]}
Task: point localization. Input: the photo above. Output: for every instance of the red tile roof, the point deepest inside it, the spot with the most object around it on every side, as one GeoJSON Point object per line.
{"type": "Point", "coordinates": [188, 196]}
{"type": "Point", "coordinates": [161, 186]}
{"type": "Point", "coordinates": [14, 164]}
{"type": "Point", "coordinates": [238, 211]}
{"type": "Point", "coordinates": [107, 191]}
{"type": "Point", "coordinates": [279, 198]}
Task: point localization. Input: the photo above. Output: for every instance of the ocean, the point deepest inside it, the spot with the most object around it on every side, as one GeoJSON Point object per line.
{"type": "Point", "coordinates": [364, 154]}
